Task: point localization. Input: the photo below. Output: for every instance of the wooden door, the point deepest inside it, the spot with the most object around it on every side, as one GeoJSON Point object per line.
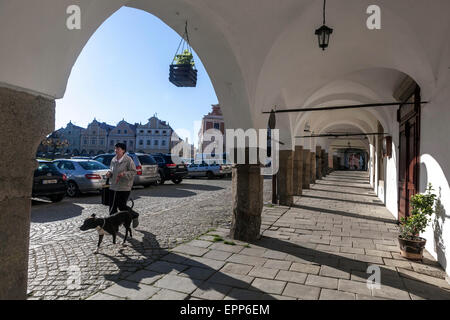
{"type": "Point", "coordinates": [409, 118]}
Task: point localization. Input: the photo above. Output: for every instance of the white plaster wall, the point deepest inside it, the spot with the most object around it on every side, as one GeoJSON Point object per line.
{"type": "Point", "coordinates": [435, 169]}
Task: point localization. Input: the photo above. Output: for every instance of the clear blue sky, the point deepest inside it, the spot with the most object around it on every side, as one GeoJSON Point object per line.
{"type": "Point", "coordinates": [123, 73]}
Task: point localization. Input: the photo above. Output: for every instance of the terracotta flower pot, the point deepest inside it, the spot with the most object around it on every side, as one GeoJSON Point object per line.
{"type": "Point", "coordinates": [412, 249]}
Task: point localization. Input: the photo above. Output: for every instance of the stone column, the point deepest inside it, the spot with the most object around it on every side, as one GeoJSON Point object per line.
{"type": "Point", "coordinates": [25, 121]}
{"type": "Point", "coordinates": [313, 168]}
{"type": "Point", "coordinates": [324, 158]}
{"type": "Point", "coordinates": [247, 195]}
{"type": "Point", "coordinates": [319, 162]}
{"type": "Point", "coordinates": [306, 176]}
{"type": "Point", "coordinates": [285, 177]}
{"type": "Point", "coordinates": [298, 170]}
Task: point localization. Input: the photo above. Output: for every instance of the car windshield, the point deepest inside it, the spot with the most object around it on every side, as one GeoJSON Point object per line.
{"type": "Point", "coordinates": [92, 165]}
{"type": "Point", "coordinates": [47, 167]}
{"type": "Point", "coordinates": [146, 160]}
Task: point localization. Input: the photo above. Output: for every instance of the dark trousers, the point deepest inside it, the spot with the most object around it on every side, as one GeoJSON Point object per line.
{"type": "Point", "coordinates": [118, 200]}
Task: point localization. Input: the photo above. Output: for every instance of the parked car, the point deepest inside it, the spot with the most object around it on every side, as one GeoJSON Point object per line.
{"type": "Point", "coordinates": [82, 175]}
{"type": "Point", "coordinates": [146, 166]}
{"type": "Point", "coordinates": [209, 170]}
{"type": "Point", "coordinates": [171, 167]}
{"type": "Point", "coordinates": [49, 182]}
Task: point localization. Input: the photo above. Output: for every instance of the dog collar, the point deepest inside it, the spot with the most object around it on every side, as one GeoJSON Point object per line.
{"type": "Point", "coordinates": [100, 230]}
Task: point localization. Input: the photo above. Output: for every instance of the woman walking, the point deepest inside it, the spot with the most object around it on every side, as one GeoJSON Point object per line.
{"type": "Point", "coordinates": [121, 175]}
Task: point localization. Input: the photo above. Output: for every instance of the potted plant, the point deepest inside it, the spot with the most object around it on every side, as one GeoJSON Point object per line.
{"type": "Point", "coordinates": [182, 70]}
{"type": "Point", "coordinates": [411, 244]}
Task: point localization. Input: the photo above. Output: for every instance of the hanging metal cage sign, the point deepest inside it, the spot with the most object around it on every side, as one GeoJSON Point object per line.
{"type": "Point", "coordinates": [182, 69]}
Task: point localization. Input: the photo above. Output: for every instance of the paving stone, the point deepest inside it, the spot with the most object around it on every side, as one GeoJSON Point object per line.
{"type": "Point", "coordinates": [268, 286]}
{"type": "Point", "coordinates": [254, 261]}
{"type": "Point", "coordinates": [166, 267]}
{"type": "Point", "coordinates": [200, 243]}
{"type": "Point", "coordinates": [322, 282]}
{"type": "Point", "coordinates": [243, 294]}
{"type": "Point", "coordinates": [291, 276]}
{"type": "Point", "coordinates": [165, 294]}
{"type": "Point", "coordinates": [419, 290]}
{"type": "Point", "coordinates": [255, 252]}
{"type": "Point", "coordinates": [236, 268]}
{"type": "Point", "coordinates": [205, 263]}
{"type": "Point", "coordinates": [378, 253]}
{"type": "Point", "coordinates": [261, 272]}
{"type": "Point", "coordinates": [211, 291]}
{"type": "Point", "coordinates": [327, 294]}
{"type": "Point", "coordinates": [226, 247]}
{"type": "Point", "coordinates": [301, 291]}
{"type": "Point", "coordinates": [278, 264]}
{"type": "Point", "coordinates": [351, 250]}
{"type": "Point", "coordinates": [354, 287]}
{"type": "Point", "coordinates": [424, 278]}
{"type": "Point", "coordinates": [218, 255]}
{"type": "Point", "coordinates": [398, 263]}
{"type": "Point", "coordinates": [197, 273]}
{"type": "Point", "coordinates": [190, 250]}
{"type": "Point", "coordinates": [333, 272]}
{"type": "Point", "coordinates": [272, 254]}
{"type": "Point", "coordinates": [145, 277]}
{"type": "Point", "coordinates": [177, 283]}
{"type": "Point", "coordinates": [306, 268]}
{"type": "Point", "coordinates": [391, 293]}
{"type": "Point", "coordinates": [231, 279]}
{"type": "Point", "coordinates": [131, 290]}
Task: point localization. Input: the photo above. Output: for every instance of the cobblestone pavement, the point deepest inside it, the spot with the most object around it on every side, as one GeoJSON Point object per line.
{"type": "Point", "coordinates": [169, 214]}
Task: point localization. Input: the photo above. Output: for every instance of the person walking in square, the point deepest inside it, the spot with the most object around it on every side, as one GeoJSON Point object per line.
{"type": "Point", "coordinates": [121, 175]}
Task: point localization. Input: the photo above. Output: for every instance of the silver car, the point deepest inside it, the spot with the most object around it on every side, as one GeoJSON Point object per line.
{"type": "Point", "coordinates": [146, 166]}
{"type": "Point", "coordinates": [82, 175]}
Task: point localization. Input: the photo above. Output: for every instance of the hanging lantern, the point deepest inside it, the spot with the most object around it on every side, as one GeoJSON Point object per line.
{"type": "Point", "coordinates": [323, 33]}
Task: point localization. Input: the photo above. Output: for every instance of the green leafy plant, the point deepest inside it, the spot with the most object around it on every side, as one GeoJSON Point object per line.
{"type": "Point", "coordinates": [185, 58]}
{"type": "Point", "coordinates": [421, 211]}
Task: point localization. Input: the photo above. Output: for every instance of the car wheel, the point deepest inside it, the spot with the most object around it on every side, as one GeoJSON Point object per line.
{"type": "Point", "coordinates": [72, 189]}
{"type": "Point", "coordinates": [210, 175]}
{"type": "Point", "coordinates": [177, 181]}
{"type": "Point", "coordinates": [57, 198]}
{"type": "Point", "coordinates": [160, 180]}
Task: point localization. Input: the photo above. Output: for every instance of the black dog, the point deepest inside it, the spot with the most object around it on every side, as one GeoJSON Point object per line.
{"type": "Point", "coordinates": [110, 225]}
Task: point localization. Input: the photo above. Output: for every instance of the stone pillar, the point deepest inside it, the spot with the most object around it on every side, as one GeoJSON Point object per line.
{"type": "Point", "coordinates": [312, 172]}
{"type": "Point", "coordinates": [285, 177]}
{"type": "Point", "coordinates": [324, 158]}
{"type": "Point", "coordinates": [318, 162]}
{"type": "Point", "coordinates": [25, 121]}
{"type": "Point", "coordinates": [306, 176]}
{"type": "Point", "coordinates": [298, 170]}
{"type": "Point", "coordinates": [247, 195]}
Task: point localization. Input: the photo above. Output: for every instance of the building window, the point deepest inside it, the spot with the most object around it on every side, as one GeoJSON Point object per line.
{"type": "Point", "coordinates": [111, 143]}
{"type": "Point", "coordinates": [149, 131]}
{"type": "Point", "coordinates": [148, 142]}
{"type": "Point", "coordinates": [141, 142]}
{"type": "Point", "coordinates": [102, 141]}
{"type": "Point", "coordinates": [164, 132]}
{"type": "Point", "coordinates": [125, 131]}
{"type": "Point", "coordinates": [156, 131]}
{"type": "Point", "coordinates": [131, 143]}
{"type": "Point", "coordinates": [94, 141]}
{"type": "Point", "coordinates": [85, 141]}
{"type": "Point", "coordinates": [163, 143]}
{"type": "Point", "coordinates": [94, 132]}
{"type": "Point", "coordinates": [142, 131]}
{"type": "Point", "coordinates": [217, 125]}
{"type": "Point", "coordinates": [118, 131]}
{"type": "Point", "coordinates": [156, 143]}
